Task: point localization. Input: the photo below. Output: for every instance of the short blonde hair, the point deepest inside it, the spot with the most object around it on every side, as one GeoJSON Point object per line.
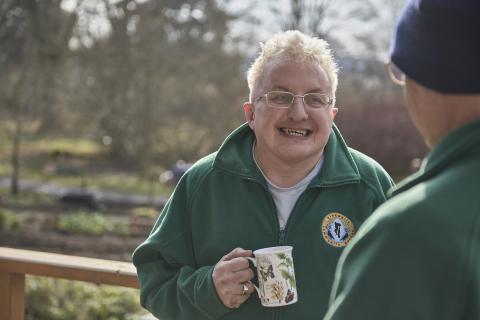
{"type": "Point", "coordinates": [297, 46]}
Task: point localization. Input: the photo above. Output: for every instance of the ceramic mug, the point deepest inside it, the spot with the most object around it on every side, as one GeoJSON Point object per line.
{"type": "Point", "coordinates": [276, 276]}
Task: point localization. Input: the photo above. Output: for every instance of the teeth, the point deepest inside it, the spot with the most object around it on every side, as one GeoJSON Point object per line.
{"type": "Point", "coordinates": [295, 132]}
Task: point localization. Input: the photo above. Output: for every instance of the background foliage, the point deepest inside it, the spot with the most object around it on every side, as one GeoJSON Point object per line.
{"type": "Point", "coordinates": [55, 299]}
{"type": "Point", "coordinates": [156, 81]}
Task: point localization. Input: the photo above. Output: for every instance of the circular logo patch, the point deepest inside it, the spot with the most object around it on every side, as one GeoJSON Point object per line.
{"type": "Point", "coordinates": [337, 230]}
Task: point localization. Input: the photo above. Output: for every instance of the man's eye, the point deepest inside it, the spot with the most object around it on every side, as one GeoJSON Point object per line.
{"type": "Point", "coordinates": [281, 98]}
{"type": "Point", "coordinates": [317, 99]}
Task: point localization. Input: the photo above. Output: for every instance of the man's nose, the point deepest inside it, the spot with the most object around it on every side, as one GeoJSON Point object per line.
{"type": "Point", "coordinates": [297, 111]}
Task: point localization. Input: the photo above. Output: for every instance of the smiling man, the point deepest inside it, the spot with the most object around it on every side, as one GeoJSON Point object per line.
{"type": "Point", "coordinates": [285, 177]}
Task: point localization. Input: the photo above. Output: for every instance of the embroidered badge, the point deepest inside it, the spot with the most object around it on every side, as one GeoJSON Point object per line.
{"type": "Point", "coordinates": [337, 230]}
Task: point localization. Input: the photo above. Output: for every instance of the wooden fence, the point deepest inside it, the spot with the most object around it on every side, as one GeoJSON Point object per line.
{"type": "Point", "coordinates": [16, 263]}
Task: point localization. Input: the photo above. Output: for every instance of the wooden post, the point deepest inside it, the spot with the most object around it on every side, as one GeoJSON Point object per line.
{"type": "Point", "coordinates": [12, 291]}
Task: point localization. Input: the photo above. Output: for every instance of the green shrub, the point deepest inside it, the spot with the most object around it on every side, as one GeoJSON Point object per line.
{"type": "Point", "coordinates": [56, 299]}
{"type": "Point", "coordinates": [82, 222]}
{"type": "Point", "coordinates": [121, 229]}
{"type": "Point", "coordinates": [8, 219]}
{"type": "Point", "coordinates": [145, 212]}
{"type": "Point", "coordinates": [95, 224]}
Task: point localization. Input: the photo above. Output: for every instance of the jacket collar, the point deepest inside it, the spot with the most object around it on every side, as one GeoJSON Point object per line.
{"type": "Point", "coordinates": [457, 144]}
{"type": "Point", "coordinates": [235, 157]}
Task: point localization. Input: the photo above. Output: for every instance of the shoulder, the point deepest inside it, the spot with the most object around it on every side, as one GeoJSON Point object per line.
{"type": "Point", "coordinates": [399, 229]}
{"type": "Point", "coordinates": [405, 246]}
{"type": "Point", "coordinates": [424, 212]}
{"type": "Point", "coordinates": [197, 173]}
{"type": "Point", "coordinates": [201, 166]}
{"type": "Point", "coordinates": [367, 166]}
{"type": "Point", "coordinates": [371, 172]}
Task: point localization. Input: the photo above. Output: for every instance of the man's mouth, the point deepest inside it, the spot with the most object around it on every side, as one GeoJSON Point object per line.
{"type": "Point", "coordinates": [295, 132]}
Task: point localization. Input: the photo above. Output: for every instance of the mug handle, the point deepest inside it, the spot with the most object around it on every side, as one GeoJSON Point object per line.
{"type": "Point", "coordinates": [255, 265]}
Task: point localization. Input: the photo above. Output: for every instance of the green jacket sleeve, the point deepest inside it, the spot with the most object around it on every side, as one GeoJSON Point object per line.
{"type": "Point", "coordinates": [398, 267]}
{"type": "Point", "coordinates": [172, 286]}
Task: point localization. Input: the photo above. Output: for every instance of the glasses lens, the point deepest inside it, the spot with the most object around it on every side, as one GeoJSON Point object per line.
{"type": "Point", "coordinates": [317, 100]}
{"type": "Point", "coordinates": [396, 74]}
{"type": "Point", "coordinates": [279, 99]}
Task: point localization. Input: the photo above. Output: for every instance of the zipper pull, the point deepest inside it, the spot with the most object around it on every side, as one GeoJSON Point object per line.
{"type": "Point", "coordinates": [281, 236]}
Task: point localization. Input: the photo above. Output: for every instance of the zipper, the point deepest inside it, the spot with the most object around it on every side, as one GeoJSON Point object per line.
{"type": "Point", "coordinates": [281, 234]}
{"type": "Point", "coordinates": [272, 205]}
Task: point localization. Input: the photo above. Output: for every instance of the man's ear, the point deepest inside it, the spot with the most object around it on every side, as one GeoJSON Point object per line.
{"type": "Point", "coordinates": [249, 110]}
{"type": "Point", "coordinates": [334, 112]}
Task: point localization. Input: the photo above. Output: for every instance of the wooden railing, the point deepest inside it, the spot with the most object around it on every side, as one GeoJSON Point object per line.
{"type": "Point", "coordinates": [16, 263]}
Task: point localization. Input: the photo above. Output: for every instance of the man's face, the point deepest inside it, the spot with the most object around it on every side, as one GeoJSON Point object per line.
{"type": "Point", "coordinates": [292, 135]}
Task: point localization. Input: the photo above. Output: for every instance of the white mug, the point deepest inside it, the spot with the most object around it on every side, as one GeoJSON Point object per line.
{"type": "Point", "coordinates": [276, 276]}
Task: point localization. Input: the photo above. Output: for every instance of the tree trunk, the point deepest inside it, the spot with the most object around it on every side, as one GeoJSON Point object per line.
{"type": "Point", "coordinates": [16, 155]}
{"type": "Point", "coordinates": [16, 105]}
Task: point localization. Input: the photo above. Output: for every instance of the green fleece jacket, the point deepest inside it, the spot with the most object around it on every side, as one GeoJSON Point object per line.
{"type": "Point", "coordinates": [418, 256]}
{"type": "Point", "coordinates": [223, 202]}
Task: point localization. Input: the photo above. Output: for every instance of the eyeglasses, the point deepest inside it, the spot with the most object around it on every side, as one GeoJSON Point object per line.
{"type": "Point", "coordinates": [282, 99]}
{"type": "Point", "coordinates": [397, 75]}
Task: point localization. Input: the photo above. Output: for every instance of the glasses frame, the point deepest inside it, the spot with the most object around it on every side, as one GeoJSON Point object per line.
{"type": "Point", "coordinates": [396, 75]}
{"type": "Point", "coordinates": [324, 106]}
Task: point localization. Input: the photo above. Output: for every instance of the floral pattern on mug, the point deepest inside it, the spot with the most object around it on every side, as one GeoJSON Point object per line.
{"type": "Point", "coordinates": [276, 277]}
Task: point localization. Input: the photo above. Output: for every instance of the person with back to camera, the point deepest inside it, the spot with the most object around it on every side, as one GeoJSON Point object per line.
{"type": "Point", "coordinates": [286, 177]}
{"type": "Point", "coordinates": [418, 255]}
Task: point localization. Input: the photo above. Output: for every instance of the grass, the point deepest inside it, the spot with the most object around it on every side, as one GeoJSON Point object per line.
{"type": "Point", "coordinates": [77, 162]}
{"type": "Point", "coordinates": [5, 168]}
{"type": "Point", "coordinates": [112, 181]}
{"type": "Point", "coordinates": [25, 198]}
{"type": "Point", "coordinates": [74, 146]}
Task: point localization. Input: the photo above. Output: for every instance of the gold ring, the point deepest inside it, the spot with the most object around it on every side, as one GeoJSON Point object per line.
{"type": "Point", "coordinates": [245, 290]}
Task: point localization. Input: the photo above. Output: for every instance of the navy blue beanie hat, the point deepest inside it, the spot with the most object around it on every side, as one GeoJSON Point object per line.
{"type": "Point", "coordinates": [437, 44]}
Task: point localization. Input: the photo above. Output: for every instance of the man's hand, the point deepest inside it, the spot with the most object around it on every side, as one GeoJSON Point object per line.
{"type": "Point", "coordinates": [231, 277]}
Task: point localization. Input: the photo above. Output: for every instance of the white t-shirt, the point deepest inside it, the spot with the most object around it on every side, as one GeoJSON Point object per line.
{"type": "Point", "coordinates": [285, 198]}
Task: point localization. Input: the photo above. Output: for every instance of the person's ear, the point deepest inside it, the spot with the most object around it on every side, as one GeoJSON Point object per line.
{"type": "Point", "coordinates": [249, 110]}
{"type": "Point", "coordinates": [334, 112]}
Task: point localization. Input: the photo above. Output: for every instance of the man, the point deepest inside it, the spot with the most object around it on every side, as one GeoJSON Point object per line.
{"type": "Point", "coordinates": [418, 256]}
{"type": "Point", "coordinates": [284, 178]}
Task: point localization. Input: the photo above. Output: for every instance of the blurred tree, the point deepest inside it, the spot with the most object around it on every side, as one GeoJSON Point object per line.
{"type": "Point", "coordinates": [34, 37]}
{"type": "Point", "coordinates": [150, 77]}
{"type": "Point", "coordinates": [308, 16]}
{"type": "Point", "coordinates": [157, 81]}
{"type": "Point", "coordinates": [328, 20]}
{"type": "Point", "coordinates": [360, 28]}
